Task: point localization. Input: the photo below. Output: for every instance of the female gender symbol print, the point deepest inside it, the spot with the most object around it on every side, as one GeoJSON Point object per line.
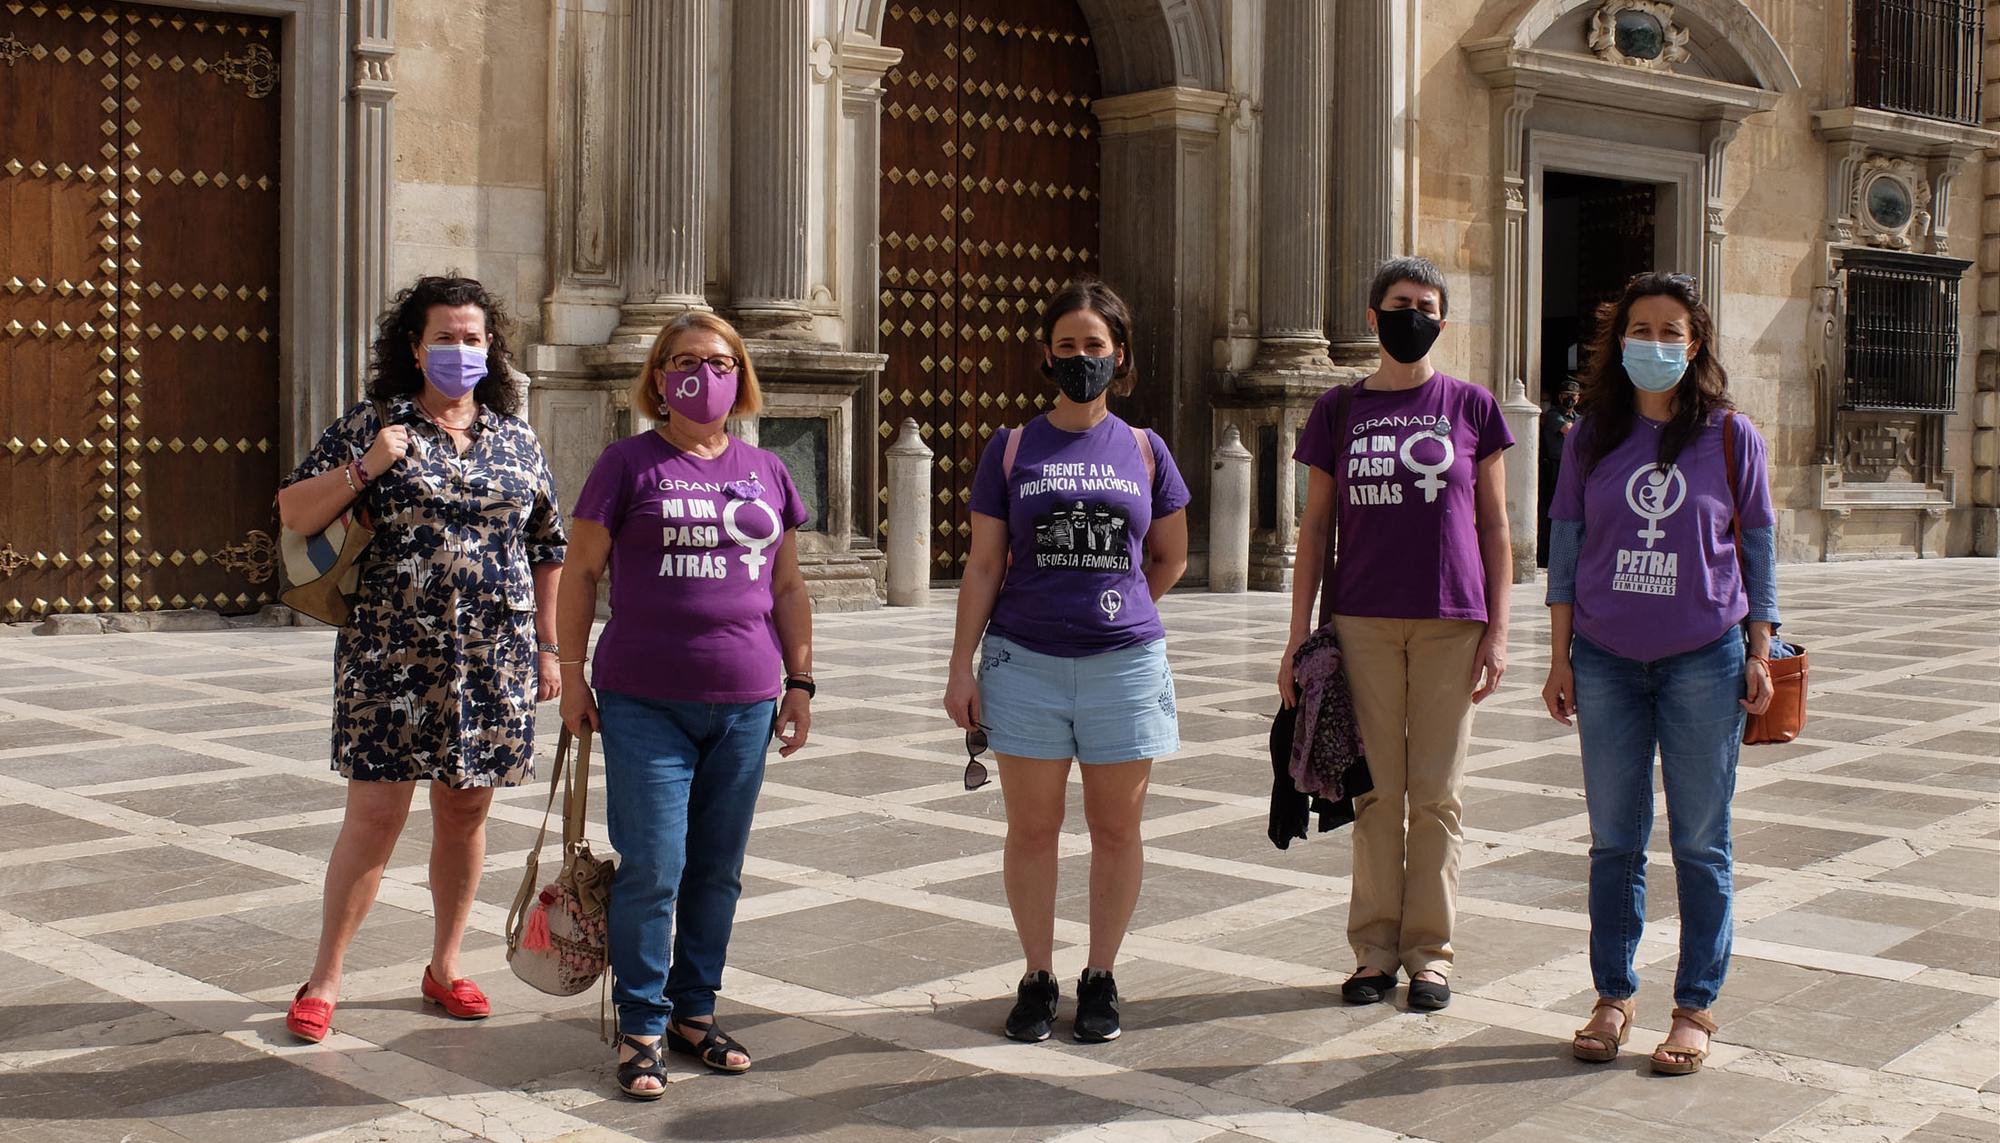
{"type": "Point", "coordinates": [1658, 498]}
{"type": "Point", "coordinates": [1432, 483]}
{"type": "Point", "coordinates": [754, 558]}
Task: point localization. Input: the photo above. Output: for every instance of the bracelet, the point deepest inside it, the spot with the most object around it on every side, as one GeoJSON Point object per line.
{"type": "Point", "coordinates": [569, 662]}
{"type": "Point", "coordinates": [348, 474]}
{"type": "Point", "coordinates": [801, 683]}
{"type": "Point", "coordinates": [547, 647]}
{"type": "Point", "coordinates": [360, 473]}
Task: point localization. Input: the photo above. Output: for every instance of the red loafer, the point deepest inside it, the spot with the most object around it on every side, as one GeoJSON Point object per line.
{"type": "Point", "coordinates": [309, 1020]}
{"type": "Point", "coordinates": [462, 1000]}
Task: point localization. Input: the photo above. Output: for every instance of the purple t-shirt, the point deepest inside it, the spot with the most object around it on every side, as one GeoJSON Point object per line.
{"type": "Point", "coordinates": [694, 546]}
{"type": "Point", "coordinates": [1657, 573]}
{"type": "Point", "coordinates": [1077, 510]}
{"type": "Point", "coordinates": [1409, 545]}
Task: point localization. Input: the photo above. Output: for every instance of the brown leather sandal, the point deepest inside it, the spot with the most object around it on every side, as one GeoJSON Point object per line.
{"type": "Point", "coordinates": [1670, 1059]}
{"type": "Point", "coordinates": [1599, 1047]}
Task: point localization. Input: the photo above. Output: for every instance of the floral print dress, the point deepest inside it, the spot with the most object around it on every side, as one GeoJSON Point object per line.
{"type": "Point", "coordinates": [435, 672]}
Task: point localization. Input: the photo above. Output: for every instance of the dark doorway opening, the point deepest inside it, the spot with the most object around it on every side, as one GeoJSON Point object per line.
{"type": "Point", "coordinates": [1596, 234]}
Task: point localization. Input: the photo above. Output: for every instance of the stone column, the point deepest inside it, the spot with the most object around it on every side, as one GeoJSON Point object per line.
{"type": "Point", "coordinates": [770, 151]}
{"type": "Point", "coordinates": [586, 199]}
{"type": "Point", "coordinates": [1510, 286]}
{"type": "Point", "coordinates": [1715, 135]}
{"type": "Point", "coordinates": [1229, 515]}
{"type": "Point", "coordinates": [909, 546]}
{"type": "Point", "coordinates": [666, 170]}
{"type": "Point", "coordinates": [1523, 466]}
{"type": "Point", "coordinates": [1291, 280]}
{"type": "Point", "coordinates": [371, 174]}
{"type": "Point", "coordinates": [1365, 155]}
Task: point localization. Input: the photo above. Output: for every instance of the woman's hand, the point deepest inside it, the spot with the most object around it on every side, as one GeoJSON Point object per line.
{"type": "Point", "coordinates": [579, 710]}
{"type": "Point", "coordinates": [961, 698]}
{"type": "Point", "coordinates": [1288, 689]}
{"type": "Point", "coordinates": [391, 445]}
{"type": "Point", "coordinates": [549, 676]}
{"type": "Point", "coordinates": [1559, 692]}
{"type": "Point", "coordinates": [1757, 686]}
{"type": "Point", "coordinates": [794, 721]}
{"type": "Point", "coordinates": [1490, 664]}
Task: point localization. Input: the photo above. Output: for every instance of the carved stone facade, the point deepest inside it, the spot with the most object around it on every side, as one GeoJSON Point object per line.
{"type": "Point", "coordinates": [1257, 160]}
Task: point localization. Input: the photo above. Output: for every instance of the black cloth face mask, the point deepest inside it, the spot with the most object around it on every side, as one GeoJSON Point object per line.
{"type": "Point", "coordinates": [1407, 334]}
{"type": "Point", "coordinates": [1084, 378]}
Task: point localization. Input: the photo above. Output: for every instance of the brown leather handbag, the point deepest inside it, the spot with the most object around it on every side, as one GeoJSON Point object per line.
{"type": "Point", "coordinates": [1786, 716]}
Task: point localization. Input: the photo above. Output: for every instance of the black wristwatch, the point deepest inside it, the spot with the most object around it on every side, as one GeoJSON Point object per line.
{"type": "Point", "coordinates": [801, 683]}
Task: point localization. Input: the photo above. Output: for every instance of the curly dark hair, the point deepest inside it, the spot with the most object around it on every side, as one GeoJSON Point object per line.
{"type": "Point", "coordinates": [1608, 404]}
{"type": "Point", "coordinates": [392, 369]}
{"type": "Point", "coordinates": [1093, 295]}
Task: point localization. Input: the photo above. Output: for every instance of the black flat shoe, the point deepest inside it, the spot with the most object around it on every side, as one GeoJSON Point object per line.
{"type": "Point", "coordinates": [1429, 995]}
{"type": "Point", "coordinates": [1371, 989]}
{"type": "Point", "coordinates": [1034, 1014]}
{"type": "Point", "coordinates": [1096, 1009]}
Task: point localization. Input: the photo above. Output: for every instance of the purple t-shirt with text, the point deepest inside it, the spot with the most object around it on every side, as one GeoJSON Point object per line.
{"type": "Point", "coordinates": [694, 546]}
{"type": "Point", "coordinates": [1409, 544]}
{"type": "Point", "coordinates": [1077, 508]}
{"type": "Point", "coordinates": [1657, 572]}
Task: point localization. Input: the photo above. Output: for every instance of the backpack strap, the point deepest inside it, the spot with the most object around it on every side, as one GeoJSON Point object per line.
{"type": "Point", "coordinates": [1012, 450]}
{"type": "Point", "coordinates": [1145, 443]}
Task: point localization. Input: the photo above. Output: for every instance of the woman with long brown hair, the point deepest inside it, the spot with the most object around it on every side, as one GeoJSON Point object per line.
{"type": "Point", "coordinates": [1661, 637]}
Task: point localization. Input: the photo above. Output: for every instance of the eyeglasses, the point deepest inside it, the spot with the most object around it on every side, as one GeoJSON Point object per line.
{"type": "Point", "coordinates": [975, 770]}
{"type": "Point", "coordinates": [688, 363]}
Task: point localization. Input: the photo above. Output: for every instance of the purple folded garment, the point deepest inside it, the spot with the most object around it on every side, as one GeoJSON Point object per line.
{"type": "Point", "coordinates": [1327, 743]}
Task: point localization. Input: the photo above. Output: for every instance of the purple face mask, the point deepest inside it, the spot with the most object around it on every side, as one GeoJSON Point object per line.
{"type": "Point", "coordinates": [454, 370]}
{"type": "Point", "coordinates": [701, 395]}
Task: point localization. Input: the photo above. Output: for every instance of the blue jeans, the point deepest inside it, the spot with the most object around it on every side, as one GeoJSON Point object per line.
{"type": "Point", "coordinates": [1685, 706]}
{"type": "Point", "coordinates": [681, 782]}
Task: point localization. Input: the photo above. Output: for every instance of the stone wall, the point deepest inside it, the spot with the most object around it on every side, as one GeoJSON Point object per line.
{"type": "Point", "coordinates": [471, 144]}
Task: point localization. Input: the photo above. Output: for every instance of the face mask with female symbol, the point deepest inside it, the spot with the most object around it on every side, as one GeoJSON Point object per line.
{"type": "Point", "coordinates": [700, 395]}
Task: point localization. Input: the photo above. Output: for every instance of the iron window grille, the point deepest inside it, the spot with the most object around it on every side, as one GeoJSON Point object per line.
{"type": "Point", "coordinates": [1920, 57]}
{"type": "Point", "coordinates": [1901, 326]}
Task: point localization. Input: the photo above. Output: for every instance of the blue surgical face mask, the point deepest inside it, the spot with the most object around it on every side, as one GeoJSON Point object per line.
{"type": "Point", "coordinates": [1655, 366]}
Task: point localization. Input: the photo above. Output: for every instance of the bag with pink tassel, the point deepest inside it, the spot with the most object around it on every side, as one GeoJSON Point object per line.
{"type": "Point", "coordinates": [557, 934]}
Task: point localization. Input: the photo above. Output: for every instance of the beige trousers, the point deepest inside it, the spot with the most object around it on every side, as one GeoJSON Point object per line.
{"type": "Point", "coordinates": [1412, 683]}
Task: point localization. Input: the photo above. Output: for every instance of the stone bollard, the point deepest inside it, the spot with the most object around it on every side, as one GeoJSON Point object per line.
{"type": "Point", "coordinates": [1524, 420]}
{"type": "Point", "coordinates": [909, 549]}
{"type": "Point", "coordinates": [1229, 515]}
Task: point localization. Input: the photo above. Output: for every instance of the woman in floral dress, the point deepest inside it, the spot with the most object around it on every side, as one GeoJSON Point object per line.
{"type": "Point", "coordinates": [451, 640]}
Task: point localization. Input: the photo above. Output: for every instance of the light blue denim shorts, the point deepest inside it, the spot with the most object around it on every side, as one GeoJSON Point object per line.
{"type": "Point", "coordinates": [1113, 707]}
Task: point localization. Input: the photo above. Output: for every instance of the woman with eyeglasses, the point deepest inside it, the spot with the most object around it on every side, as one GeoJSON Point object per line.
{"type": "Point", "coordinates": [1078, 527]}
{"type": "Point", "coordinates": [707, 652]}
{"type": "Point", "coordinates": [1663, 597]}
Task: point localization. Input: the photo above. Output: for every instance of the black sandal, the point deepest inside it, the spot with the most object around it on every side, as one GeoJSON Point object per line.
{"type": "Point", "coordinates": [646, 1063]}
{"type": "Point", "coordinates": [712, 1049]}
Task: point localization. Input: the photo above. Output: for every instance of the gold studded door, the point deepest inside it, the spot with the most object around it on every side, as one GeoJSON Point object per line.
{"type": "Point", "coordinates": [989, 203]}
{"type": "Point", "coordinates": [138, 308]}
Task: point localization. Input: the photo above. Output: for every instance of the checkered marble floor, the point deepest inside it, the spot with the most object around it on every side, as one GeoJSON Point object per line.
{"type": "Point", "coordinates": [165, 813]}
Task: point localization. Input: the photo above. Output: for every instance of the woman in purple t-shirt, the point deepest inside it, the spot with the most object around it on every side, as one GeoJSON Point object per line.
{"type": "Point", "coordinates": [710, 626]}
{"type": "Point", "coordinates": [1650, 595]}
{"type": "Point", "coordinates": [1078, 528]}
{"type": "Point", "coordinates": [1413, 460]}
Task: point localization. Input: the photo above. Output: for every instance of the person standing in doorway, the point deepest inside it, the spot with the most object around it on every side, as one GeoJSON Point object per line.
{"type": "Point", "coordinates": [1557, 421]}
{"type": "Point", "coordinates": [1420, 590]}
{"type": "Point", "coordinates": [1078, 527]}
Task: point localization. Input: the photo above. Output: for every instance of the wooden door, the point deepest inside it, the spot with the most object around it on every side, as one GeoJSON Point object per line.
{"type": "Point", "coordinates": [138, 308]}
{"type": "Point", "coordinates": [989, 204]}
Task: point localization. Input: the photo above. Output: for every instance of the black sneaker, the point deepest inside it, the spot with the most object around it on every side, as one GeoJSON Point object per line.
{"type": "Point", "coordinates": [1034, 1009]}
{"type": "Point", "coordinates": [1096, 1008]}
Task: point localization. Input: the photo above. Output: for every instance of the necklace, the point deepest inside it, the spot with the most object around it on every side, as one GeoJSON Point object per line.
{"type": "Point", "coordinates": [443, 424]}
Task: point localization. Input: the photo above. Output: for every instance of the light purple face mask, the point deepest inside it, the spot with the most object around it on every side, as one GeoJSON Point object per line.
{"type": "Point", "coordinates": [454, 370]}
{"type": "Point", "coordinates": [701, 395]}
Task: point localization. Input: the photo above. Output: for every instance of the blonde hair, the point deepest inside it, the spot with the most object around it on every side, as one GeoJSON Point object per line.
{"type": "Point", "coordinates": [646, 392]}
